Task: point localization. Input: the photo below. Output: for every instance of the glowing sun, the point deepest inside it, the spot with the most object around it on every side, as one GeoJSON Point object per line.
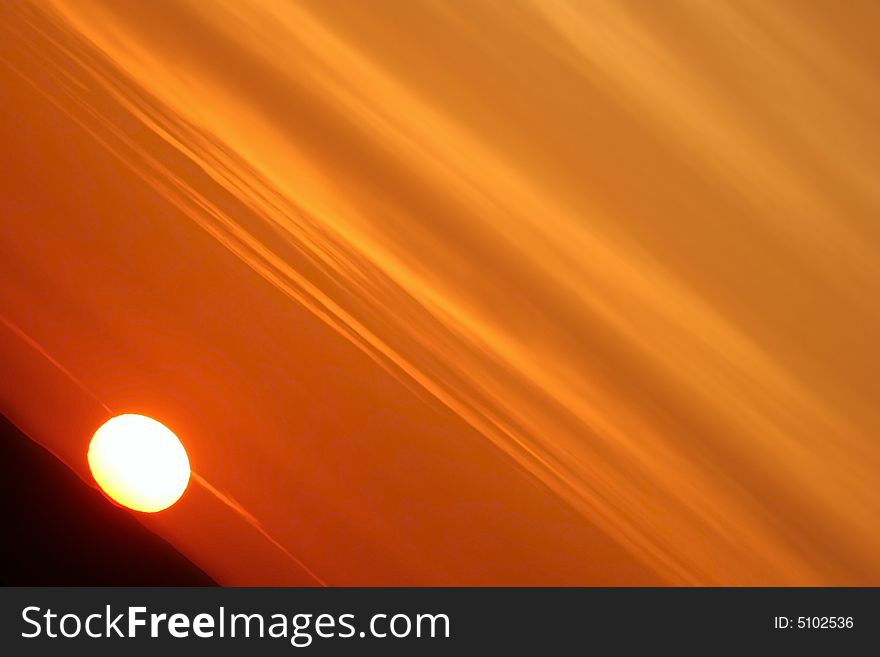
{"type": "Point", "coordinates": [139, 463]}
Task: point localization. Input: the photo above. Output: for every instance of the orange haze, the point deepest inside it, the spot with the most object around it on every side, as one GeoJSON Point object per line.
{"type": "Point", "coordinates": [459, 292]}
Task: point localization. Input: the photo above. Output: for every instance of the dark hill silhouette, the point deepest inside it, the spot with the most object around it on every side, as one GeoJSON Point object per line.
{"type": "Point", "coordinates": [57, 531]}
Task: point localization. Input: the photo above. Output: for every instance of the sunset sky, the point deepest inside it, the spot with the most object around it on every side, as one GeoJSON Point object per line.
{"type": "Point", "coordinates": [462, 292]}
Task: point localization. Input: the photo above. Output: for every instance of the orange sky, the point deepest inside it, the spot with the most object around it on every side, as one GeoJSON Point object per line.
{"type": "Point", "coordinates": [459, 293]}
